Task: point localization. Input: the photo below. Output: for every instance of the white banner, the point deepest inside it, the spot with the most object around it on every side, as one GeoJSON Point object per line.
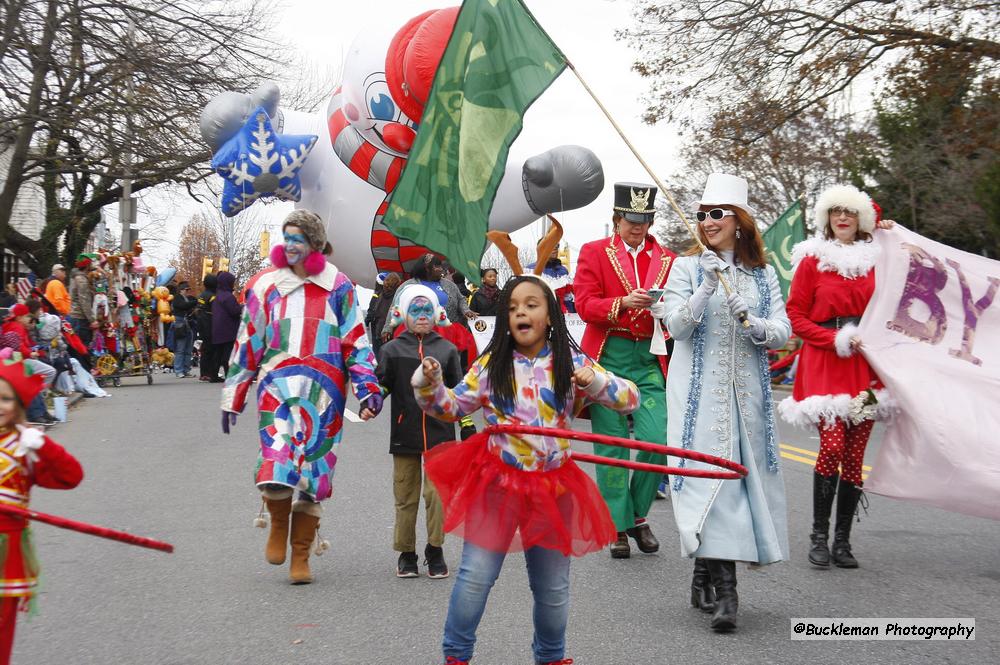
{"type": "Point", "coordinates": [482, 329]}
{"type": "Point", "coordinates": [932, 333]}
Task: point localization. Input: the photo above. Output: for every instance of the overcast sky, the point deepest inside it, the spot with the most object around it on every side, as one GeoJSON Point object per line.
{"type": "Point", "coordinates": [585, 31]}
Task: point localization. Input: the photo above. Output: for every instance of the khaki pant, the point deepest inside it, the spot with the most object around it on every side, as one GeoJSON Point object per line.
{"type": "Point", "coordinates": [407, 472]}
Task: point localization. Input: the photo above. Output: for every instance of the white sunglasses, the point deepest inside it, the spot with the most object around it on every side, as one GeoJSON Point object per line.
{"type": "Point", "coordinates": [714, 213]}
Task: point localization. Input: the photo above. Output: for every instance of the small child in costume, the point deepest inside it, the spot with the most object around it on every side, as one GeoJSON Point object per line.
{"type": "Point", "coordinates": [27, 457]}
{"type": "Point", "coordinates": [413, 432]}
{"type": "Point", "coordinates": [507, 493]}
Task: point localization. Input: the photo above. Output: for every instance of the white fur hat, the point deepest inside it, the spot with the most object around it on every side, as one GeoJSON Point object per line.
{"type": "Point", "coordinates": [410, 293]}
{"type": "Point", "coordinates": [725, 189]}
{"type": "Point", "coordinates": [848, 197]}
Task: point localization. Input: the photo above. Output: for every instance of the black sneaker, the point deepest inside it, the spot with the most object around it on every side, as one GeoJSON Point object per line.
{"type": "Point", "coordinates": [434, 560]}
{"type": "Point", "coordinates": [407, 565]}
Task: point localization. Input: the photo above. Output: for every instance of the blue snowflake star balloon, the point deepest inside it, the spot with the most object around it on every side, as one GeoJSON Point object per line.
{"type": "Point", "coordinates": [259, 162]}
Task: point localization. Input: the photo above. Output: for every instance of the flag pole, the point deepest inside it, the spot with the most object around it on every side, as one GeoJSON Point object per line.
{"type": "Point", "coordinates": [649, 170]}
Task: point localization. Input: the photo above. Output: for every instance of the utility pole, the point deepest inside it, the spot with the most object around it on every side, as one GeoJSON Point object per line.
{"type": "Point", "coordinates": [127, 204]}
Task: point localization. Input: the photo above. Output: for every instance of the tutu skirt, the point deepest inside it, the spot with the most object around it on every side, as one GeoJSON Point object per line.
{"type": "Point", "coordinates": [504, 509]}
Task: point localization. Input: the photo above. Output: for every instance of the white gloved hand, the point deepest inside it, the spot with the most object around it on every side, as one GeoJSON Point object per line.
{"type": "Point", "coordinates": [658, 309]}
{"type": "Point", "coordinates": [737, 305]}
{"type": "Point", "coordinates": [29, 442]}
{"type": "Point", "coordinates": [756, 330]}
{"type": "Point", "coordinates": [711, 264]}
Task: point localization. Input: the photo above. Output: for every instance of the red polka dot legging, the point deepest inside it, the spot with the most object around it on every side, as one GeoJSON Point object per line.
{"type": "Point", "coordinates": [842, 446]}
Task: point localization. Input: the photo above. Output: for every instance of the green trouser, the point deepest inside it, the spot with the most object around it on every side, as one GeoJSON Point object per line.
{"type": "Point", "coordinates": [631, 360]}
{"type": "Point", "coordinates": [407, 471]}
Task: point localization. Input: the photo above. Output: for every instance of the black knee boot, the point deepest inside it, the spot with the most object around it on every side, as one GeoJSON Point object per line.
{"type": "Point", "coordinates": [824, 489]}
{"type": "Point", "coordinates": [848, 495]}
{"type": "Point", "coordinates": [726, 601]}
{"type": "Point", "coordinates": [702, 591]}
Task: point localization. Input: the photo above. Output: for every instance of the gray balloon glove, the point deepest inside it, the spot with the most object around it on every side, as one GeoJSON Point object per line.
{"type": "Point", "coordinates": [563, 178]}
{"type": "Point", "coordinates": [223, 116]}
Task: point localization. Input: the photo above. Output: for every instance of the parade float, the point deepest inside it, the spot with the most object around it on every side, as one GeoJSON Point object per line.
{"type": "Point", "coordinates": [344, 163]}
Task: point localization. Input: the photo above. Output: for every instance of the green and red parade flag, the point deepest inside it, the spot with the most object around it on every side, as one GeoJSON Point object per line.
{"type": "Point", "coordinates": [780, 238]}
{"type": "Point", "coordinates": [497, 63]}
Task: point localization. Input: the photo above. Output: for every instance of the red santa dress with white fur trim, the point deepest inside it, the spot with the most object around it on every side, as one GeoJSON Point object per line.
{"type": "Point", "coordinates": [831, 280]}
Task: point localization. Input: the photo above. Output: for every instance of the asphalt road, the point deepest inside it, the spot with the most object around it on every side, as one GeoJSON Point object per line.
{"type": "Point", "coordinates": [157, 465]}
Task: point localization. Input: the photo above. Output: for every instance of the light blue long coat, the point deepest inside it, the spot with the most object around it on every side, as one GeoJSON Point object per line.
{"type": "Point", "coordinates": [719, 399]}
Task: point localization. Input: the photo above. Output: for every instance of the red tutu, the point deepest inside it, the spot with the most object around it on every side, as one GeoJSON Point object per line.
{"type": "Point", "coordinates": [504, 509]}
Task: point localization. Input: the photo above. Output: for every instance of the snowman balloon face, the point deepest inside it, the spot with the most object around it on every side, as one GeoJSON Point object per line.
{"type": "Point", "coordinates": [367, 102]}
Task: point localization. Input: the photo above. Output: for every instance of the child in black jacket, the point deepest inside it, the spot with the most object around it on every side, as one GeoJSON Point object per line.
{"type": "Point", "coordinates": [412, 431]}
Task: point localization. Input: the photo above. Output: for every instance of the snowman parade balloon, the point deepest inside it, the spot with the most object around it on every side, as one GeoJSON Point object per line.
{"type": "Point", "coordinates": [344, 163]}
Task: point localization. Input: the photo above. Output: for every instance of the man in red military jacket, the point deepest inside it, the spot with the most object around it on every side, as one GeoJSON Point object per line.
{"type": "Point", "coordinates": [617, 280]}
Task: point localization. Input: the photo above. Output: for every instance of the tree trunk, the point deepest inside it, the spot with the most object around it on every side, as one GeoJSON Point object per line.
{"type": "Point", "coordinates": [22, 142]}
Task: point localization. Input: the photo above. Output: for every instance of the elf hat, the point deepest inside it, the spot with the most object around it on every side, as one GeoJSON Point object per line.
{"type": "Point", "coordinates": [847, 197]}
{"type": "Point", "coordinates": [406, 297]}
{"type": "Point", "coordinates": [25, 384]}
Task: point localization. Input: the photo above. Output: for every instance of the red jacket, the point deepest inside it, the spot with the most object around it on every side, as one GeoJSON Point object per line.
{"type": "Point", "coordinates": [604, 276]}
{"type": "Point", "coordinates": [22, 333]}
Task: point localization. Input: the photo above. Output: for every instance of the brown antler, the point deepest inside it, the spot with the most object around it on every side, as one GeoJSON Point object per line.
{"type": "Point", "coordinates": [547, 244]}
{"type": "Point", "coordinates": [507, 248]}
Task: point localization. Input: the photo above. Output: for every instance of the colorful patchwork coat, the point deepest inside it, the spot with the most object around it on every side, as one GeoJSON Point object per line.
{"type": "Point", "coordinates": [305, 339]}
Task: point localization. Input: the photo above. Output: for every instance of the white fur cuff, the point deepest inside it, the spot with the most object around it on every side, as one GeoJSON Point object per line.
{"type": "Point", "coordinates": [842, 342]}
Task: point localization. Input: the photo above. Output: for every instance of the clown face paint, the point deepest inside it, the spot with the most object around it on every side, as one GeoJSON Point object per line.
{"type": "Point", "coordinates": [296, 246]}
{"type": "Point", "coordinates": [420, 316]}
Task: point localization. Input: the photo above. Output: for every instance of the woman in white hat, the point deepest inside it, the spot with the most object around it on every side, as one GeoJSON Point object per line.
{"type": "Point", "coordinates": [834, 280]}
{"type": "Point", "coordinates": [719, 397]}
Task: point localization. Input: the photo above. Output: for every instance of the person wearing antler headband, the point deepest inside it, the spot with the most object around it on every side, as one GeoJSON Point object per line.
{"type": "Point", "coordinates": [617, 280]}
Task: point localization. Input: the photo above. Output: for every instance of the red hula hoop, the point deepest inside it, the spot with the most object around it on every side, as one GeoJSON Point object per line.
{"type": "Point", "coordinates": [735, 471]}
{"type": "Point", "coordinates": [90, 529]}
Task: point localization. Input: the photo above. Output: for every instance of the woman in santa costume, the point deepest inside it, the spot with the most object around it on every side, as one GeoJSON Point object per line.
{"type": "Point", "coordinates": [835, 388]}
{"type": "Point", "coordinates": [27, 458]}
{"type": "Point", "coordinates": [302, 338]}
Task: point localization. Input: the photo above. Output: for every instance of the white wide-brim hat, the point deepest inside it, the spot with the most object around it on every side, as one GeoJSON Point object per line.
{"type": "Point", "coordinates": [725, 189]}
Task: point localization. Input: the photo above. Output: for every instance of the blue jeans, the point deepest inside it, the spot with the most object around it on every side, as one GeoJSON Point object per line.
{"type": "Point", "coordinates": [183, 345]}
{"type": "Point", "coordinates": [548, 576]}
{"type": "Point", "coordinates": [36, 410]}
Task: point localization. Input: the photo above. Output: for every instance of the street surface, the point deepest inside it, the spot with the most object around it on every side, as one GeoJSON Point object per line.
{"type": "Point", "coordinates": [158, 465]}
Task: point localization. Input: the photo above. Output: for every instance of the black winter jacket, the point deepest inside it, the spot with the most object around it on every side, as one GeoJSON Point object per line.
{"type": "Point", "coordinates": [412, 431]}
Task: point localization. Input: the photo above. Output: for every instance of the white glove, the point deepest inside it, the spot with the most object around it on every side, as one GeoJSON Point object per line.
{"type": "Point", "coordinates": [710, 263]}
{"type": "Point", "coordinates": [29, 442]}
{"type": "Point", "coordinates": [737, 305]}
{"type": "Point", "coordinates": [757, 329]}
{"type": "Point", "coordinates": [658, 309]}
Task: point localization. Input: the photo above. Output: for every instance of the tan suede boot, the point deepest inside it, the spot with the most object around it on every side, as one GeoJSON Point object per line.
{"type": "Point", "coordinates": [277, 540]}
{"type": "Point", "coordinates": [304, 528]}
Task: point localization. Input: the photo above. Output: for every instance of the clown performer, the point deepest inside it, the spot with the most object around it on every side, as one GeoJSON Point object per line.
{"type": "Point", "coordinates": [302, 334]}
{"type": "Point", "coordinates": [27, 458]}
{"type": "Point", "coordinates": [617, 280]}
{"type": "Point", "coordinates": [836, 390]}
